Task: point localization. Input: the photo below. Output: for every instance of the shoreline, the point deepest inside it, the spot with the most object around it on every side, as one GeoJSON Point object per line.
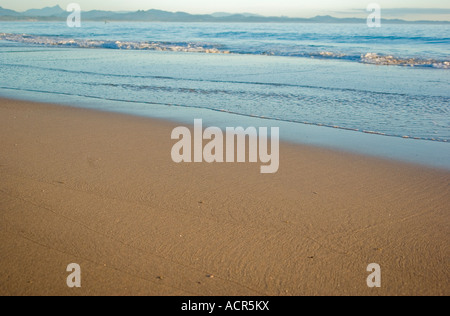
{"type": "Point", "coordinates": [421, 153]}
{"type": "Point", "coordinates": [99, 189]}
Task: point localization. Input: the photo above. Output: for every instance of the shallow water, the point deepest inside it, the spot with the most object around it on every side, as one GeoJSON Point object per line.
{"type": "Point", "coordinates": [178, 80]}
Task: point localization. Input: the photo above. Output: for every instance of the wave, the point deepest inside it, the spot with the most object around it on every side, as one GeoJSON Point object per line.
{"type": "Point", "coordinates": [373, 58]}
{"type": "Point", "coordinates": [221, 110]}
{"type": "Point", "coordinates": [192, 47]}
{"type": "Point", "coordinates": [127, 45]}
{"type": "Point", "coordinates": [256, 83]}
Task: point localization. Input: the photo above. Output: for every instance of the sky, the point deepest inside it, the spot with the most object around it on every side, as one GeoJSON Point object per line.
{"type": "Point", "coordinates": [405, 9]}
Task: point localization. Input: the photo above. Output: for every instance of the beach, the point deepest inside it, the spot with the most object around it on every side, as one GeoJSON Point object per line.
{"type": "Point", "coordinates": [100, 189]}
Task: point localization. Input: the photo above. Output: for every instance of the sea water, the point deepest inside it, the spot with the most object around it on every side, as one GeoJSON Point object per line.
{"type": "Point", "coordinates": [382, 91]}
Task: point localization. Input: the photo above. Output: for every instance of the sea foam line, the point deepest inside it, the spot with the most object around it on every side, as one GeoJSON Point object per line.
{"type": "Point", "coordinates": [230, 112]}
{"type": "Point", "coordinates": [126, 45]}
{"type": "Point", "coordinates": [366, 58]}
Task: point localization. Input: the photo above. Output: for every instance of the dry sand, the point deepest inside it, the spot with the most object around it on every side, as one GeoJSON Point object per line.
{"type": "Point", "coordinates": [100, 189]}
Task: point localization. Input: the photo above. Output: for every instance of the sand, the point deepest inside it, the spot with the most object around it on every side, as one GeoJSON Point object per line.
{"type": "Point", "coordinates": [100, 190]}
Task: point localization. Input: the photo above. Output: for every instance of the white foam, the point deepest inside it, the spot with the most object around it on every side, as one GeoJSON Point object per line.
{"type": "Point", "coordinates": [128, 45]}
{"type": "Point", "coordinates": [373, 58]}
{"type": "Point", "coordinates": [369, 58]}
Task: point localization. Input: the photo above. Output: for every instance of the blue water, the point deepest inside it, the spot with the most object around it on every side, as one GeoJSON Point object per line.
{"type": "Point", "coordinates": [408, 44]}
{"type": "Point", "coordinates": [319, 81]}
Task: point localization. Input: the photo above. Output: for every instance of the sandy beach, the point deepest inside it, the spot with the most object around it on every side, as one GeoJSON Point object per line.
{"type": "Point", "coordinates": [101, 190]}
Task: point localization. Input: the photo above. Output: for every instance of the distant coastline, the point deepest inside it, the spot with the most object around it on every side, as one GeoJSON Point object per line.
{"type": "Point", "coordinates": [57, 14]}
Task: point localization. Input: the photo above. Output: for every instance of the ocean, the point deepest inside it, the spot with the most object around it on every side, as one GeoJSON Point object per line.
{"type": "Point", "coordinates": [378, 91]}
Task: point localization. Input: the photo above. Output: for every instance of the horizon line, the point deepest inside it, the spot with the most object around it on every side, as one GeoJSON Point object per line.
{"type": "Point", "coordinates": [324, 14]}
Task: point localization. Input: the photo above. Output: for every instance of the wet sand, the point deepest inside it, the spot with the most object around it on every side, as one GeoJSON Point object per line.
{"type": "Point", "coordinates": [101, 190]}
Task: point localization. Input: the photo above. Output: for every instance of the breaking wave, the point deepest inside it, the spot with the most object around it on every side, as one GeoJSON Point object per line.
{"type": "Point", "coordinates": [128, 45]}
{"type": "Point", "coordinates": [373, 58]}
{"type": "Point", "coordinates": [193, 47]}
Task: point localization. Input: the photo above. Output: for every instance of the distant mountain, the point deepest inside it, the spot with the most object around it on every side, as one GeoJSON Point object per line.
{"type": "Point", "coordinates": [225, 14]}
{"type": "Point", "coordinates": [45, 12]}
{"type": "Point", "coordinates": [97, 15]}
{"type": "Point", "coordinates": [6, 12]}
{"type": "Point", "coordinates": [56, 13]}
{"type": "Point", "coordinates": [220, 14]}
{"type": "Point", "coordinates": [330, 19]}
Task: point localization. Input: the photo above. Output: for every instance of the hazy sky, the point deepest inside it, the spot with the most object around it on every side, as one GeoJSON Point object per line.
{"type": "Point", "coordinates": [293, 8]}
